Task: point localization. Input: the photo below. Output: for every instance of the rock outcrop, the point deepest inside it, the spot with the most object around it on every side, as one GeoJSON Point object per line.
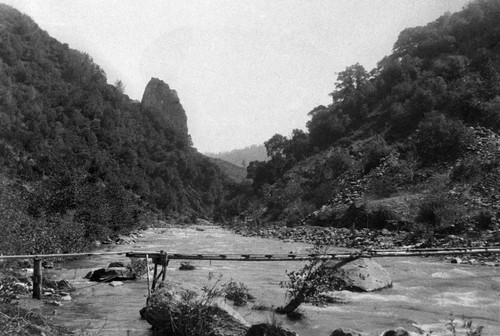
{"type": "Point", "coordinates": [363, 275]}
{"type": "Point", "coordinates": [165, 106]}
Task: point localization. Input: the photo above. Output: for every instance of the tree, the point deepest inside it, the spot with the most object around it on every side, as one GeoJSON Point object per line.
{"type": "Point", "coordinates": [441, 139]}
{"type": "Point", "coordinates": [275, 146]}
{"type": "Point", "coordinates": [352, 79]}
{"type": "Point", "coordinates": [310, 281]}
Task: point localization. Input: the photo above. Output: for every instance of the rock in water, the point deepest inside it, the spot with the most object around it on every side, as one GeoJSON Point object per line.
{"type": "Point", "coordinates": [345, 332]}
{"type": "Point", "coordinates": [265, 329]}
{"type": "Point", "coordinates": [165, 106]}
{"type": "Point", "coordinates": [111, 273]}
{"type": "Point", "coordinates": [362, 275]}
{"type": "Point", "coordinates": [398, 332]}
{"type": "Point", "coordinates": [173, 305]}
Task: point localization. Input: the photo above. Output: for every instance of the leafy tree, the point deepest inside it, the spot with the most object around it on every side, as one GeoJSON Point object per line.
{"type": "Point", "coordinates": [275, 146]}
{"type": "Point", "coordinates": [441, 139]}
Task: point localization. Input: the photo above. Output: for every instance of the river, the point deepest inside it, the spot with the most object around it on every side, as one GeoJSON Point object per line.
{"type": "Point", "coordinates": [425, 292]}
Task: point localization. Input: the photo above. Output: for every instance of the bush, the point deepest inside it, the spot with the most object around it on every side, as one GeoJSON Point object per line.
{"type": "Point", "coordinates": [382, 218]}
{"type": "Point", "coordinates": [297, 211]}
{"type": "Point", "coordinates": [374, 151]}
{"type": "Point", "coordinates": [307, 284]}
{"type": "Point", "coordinates": [419, 233]}
{"type": "Point", "coordinates": [236, 292]}
{"type": "Point", "coordinates": [440, 139]}
{"type": "Point", "coordinates": [382, 187]}
{"type": "Point", "coordinates": [469, 170]}
{"type": "Point", "coordinates": [138, 266]}
{"type": "Point", "coordinates": [336, 164]}
{"type": "Point", "coordinates": [440, 213]}
{"type": "Point", "coordinates": [484, 220]}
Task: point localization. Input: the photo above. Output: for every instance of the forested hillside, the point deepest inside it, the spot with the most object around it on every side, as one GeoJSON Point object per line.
{"type": "Point", "coordinates": [79, 160]}
{"type": "Point", "coordinates": [409, 143]}
{"type": "Point", "coordinates": [242, 157]}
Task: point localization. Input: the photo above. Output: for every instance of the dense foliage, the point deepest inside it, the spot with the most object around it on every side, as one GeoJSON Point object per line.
{"type": "Point", "coordinates": [411, 115]}
{"type": "Point", "coordinates": [85, 154]}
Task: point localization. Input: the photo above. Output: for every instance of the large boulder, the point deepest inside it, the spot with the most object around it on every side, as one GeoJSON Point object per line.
{"type": "Point", "coordinates": [361, 275]}
{"type": "Point", "coordinates": [115, 271]}
{"type": "Point", "coordinates": [173, 307]}
{"type": "Point", "coordinates": [266, 329]}
{"type": "Point", "coordinates": [397, 332]}
{"type": "Point", "coordinates": [346, 332]}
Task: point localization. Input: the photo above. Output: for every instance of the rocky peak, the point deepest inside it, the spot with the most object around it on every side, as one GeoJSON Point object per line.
{"type": "Point", "coordinates": [165, 105]}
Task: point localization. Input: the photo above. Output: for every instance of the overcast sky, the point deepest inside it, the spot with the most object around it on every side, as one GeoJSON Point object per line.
{"type": "Point", "coordinates": [244, 70]}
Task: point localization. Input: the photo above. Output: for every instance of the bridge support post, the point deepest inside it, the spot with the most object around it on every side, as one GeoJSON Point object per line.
{"type": "Point", "coordinates": [37, 279]}
{"type": "Point", "coordinates": [162, 260]}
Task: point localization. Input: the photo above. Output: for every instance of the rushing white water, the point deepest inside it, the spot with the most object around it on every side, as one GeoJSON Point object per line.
{"type": "Point", "coordinates": [426, 292]}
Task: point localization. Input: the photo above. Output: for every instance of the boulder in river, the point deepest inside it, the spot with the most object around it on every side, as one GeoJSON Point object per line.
{"type": "Point", "coordinates": [361, 275]}
{"type": "Point", "coordinates": [345, 332]}
{"type": "Point", "coordinates": [264, 329]}
{"type": "Point", "coordinates": [397, 332]}
{"type": "Point", "coordinates": [112, 272]}
{"type": "Point", "coordinates": [174, 307]}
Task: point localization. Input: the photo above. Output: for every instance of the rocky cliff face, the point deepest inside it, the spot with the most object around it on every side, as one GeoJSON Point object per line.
{"type": "Point", "coordinates": [165, 106]}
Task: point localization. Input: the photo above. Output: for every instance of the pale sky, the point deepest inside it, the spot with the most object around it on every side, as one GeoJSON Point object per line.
{"type": "Point", "coordinates": [243, 70]}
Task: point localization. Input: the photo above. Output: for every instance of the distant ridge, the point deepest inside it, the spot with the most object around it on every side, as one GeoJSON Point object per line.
{"type": "Point", "coordinates": [232, 171]}
{"type": "Point", "coordinates": [242, 157]}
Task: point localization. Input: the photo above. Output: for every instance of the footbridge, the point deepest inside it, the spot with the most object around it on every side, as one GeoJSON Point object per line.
{"type": "Point", "coordinates": [160, 259]}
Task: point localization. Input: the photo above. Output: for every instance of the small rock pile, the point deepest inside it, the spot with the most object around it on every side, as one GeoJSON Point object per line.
{"type": "Point", "coordinates": [15, 285]}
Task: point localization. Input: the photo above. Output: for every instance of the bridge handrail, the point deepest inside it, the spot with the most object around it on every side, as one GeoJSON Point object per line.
{"type": "Point", "coordinates": [369, 253]}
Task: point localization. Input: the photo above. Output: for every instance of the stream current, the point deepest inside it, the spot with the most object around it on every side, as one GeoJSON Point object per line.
{"type": "Point", "coordinates": [426, 292]}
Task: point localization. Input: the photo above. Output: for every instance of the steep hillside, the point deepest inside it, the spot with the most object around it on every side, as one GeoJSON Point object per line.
{"type": "Point", "coordinates": [234, 173]}
{"type": "Point", "coordinates": [85, 159]}
{"type": "Point", "coordinates": [412, 144]}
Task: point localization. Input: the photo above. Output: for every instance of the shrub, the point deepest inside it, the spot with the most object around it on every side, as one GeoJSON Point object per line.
{"type": "Point", "coordinates": [236, 292]}
{"type": "Point", "coordinates": [335, 164]}
{"type": "Point", "coordinates": [297, 211]}
{"type": "Point", "coordinates": [192, 314]}
{"type": "Point", "coordinates": [469, 170]}
{"type": "Point", "coordinates": [139, 266]}
{"type": "Point", "coordinates": [440, 213]}
{"type": "Point", "coordinates": [382, 218]}
{"type": "Point", "coordinates": [382, 187]}
{"type": "Point", "coordinates": [374, 151]}
{"type": "Point", "coordinates": [306, 284]}
{"type": "Point", "coordinates": [484, 220]}
{"type": "Point", "coordinates": [419, 233]}
{"type": "Point", "coordinates": [440, 139]}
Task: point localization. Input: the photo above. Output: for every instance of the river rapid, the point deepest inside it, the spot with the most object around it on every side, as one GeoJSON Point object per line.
{"type": "Point", "coordinates": [426, 292]}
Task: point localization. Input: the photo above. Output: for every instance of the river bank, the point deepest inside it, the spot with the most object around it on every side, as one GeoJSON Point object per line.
{"type": "Point", "coordinates": [378, 239]}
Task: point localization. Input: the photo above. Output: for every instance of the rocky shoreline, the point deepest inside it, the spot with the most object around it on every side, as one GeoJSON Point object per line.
{"type": "Point", "coordinates": [364, 239]}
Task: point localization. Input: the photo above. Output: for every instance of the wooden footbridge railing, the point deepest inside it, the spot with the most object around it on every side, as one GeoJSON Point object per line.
{"type": "Point", "coordinates": [162, 258]}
